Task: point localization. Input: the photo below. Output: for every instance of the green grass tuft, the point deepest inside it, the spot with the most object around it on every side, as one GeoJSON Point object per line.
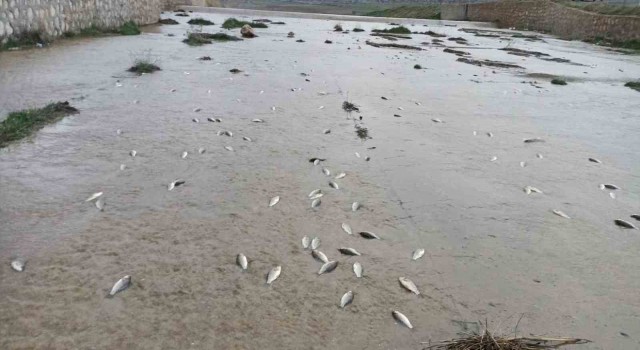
{"type": "Point", "coordinates": [168, 21]}
{"type": "Point", "coordinates": [231, 23]}
{"type": "Point", "coordinates": [197, 39]}
{"type": "Point", "coordinates": [634, 85]}
{"type": "Point", "coordinates": [143, 66]}
{"type": "Point", "coordinates": [200, 22]}
{"type": "Point", "coordinates": [129, 28]}
{"type": "Point", "coordinates": [21, 124]}
{"type": "Point", "coordinates": [24, 40]}
{"type": "Point", "coordinates": [417, 66]}
{"type": "Point", "coordinates": [558, 82]}
{"type": "Point", "coordinates": [394, 30]}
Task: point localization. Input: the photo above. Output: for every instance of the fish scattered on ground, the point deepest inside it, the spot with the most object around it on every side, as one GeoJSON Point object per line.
{"type": "Point", "coordinates": [316, 203]}
{"type": "Point", "coordinates": [625, 224]}
{"type": "Point", "coordinates": [18, 265]}
{"type": "Point", "coordinates": [346, 299]}
{"type": "Point", "coordinates": [305, 242]}
{"type": "Point", "coordinates": [315, 192]}
{"type": "Point", "coordinates": [315, 243]}
{"type": "Point", "coordinates": [400, 109]}
{"type": "Point", "coordinates": [490, 134]}
{"type": "Point", "coordinates": [334, 185]}
{"type": "Point", "coordinates": [100, 203]}
{"type": "Point", "coordinates": [561, 213]}
{"type": "Point", "coordinates": [274, 274]}
{"type": "Point", "coordinates": [241, 260]}
{"type": "Point", "coordinates": [93, 196]}
{"type": "Point", "coordinates": [229, 148]}
{"type": "Point", "coordinates": [320, 256]}
{"type": "Point", "coordinates": [539, 156]}
{"type": "Point", "coordinates": [314, 160]}
{"type": "Point", "coordinates": [595, 160]}
{"type": "Point", "coordinates": [321, 107]}
{"type": "Point", "coordinates": [122, 167]}
{"type": "Point", "coordinates": [349, 251]}
{"type": "Point", "coordinates": [274, 201]}
{"type": "Point", "coordinates": [409, 285]}
{"type": "Point", "coordinates": [530, 189]}
{"type": "Point", "coordinates": [184, 154]}
{"type": "Point", "coordinates": [225, 133]}
{"type": "Point", "coordinates": [196, 110]}
{"type": "Point", "coordinates": [355, 206]}
{"type": "Point", "coordinates": [133, 153]}
{"type": "Point", "coordinates": [494, 158]}
{"type": "Point", "coordinates": [367, 158]}
{"type": "Point", "coordinates": [316, 196]}
{"type": "Point", "coordinates": [475, 133]}
{"type": "Point", "coordinates": [328, 267]}
{"type": "Point", "coordinates": [346, 228]}
{"type": "Point", "coordinates": [384, 98]}
{"type": "Point", "coordinates": [195, 120]}
{"type": "Point", "coordinates": [400, 317]}
{"type": "Point", "coordinates": [535, 139]}
{"type": "Point", "coordinates": [636, 216]}
{"type": "Point", "coordinates": [119, 132]}
{"type": "Point", "coordinates": [436, 120]}
{"type": "Point", "coordinates": [357, 269]}
{"type": "Point", "coordinates": [326, 131]}
{"type": "Point", "coordinates": [523, 164]}
{"type": "Point", "coordinates": [368, 235]}
{"type": "Point", "coordinates": [175, 184]}
{"type": "Point", "coordinates": [357, 154]}
{"type": "Point", "coordinates": [417, 254]}
{"type": "Point", "coordinates": [121, 285]}
{"type": "Point", "coordinates": [340, 176]}
{"type": "Point", "coordinates": [609, 186]}
{"type": "Point", "coordinates": [201, 150]}
{"type": "Point", "coordinates": [612, 195]}
{"type": "Point", "coordinates": [258, 120]}
{"type": "Point", "coordinates": [247, 138]}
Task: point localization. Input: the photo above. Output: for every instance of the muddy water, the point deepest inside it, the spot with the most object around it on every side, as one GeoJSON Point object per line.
{"type": "Point", "coordinates": [492, 251]}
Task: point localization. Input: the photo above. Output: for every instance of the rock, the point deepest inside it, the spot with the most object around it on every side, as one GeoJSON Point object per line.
{"type": "Point", "coordinates": [247, 32]}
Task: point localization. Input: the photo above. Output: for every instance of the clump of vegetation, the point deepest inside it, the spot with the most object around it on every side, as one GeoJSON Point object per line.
{"type": "Point", "coordinates": [200, 22]}
{"type": "Point", "coordinates": [278, 23]}
{"type": "Point", "coordinates": [349, 107]}
{"type": "Point", "coordinates": [628, 44]}
{"type": "Point", "coordinates": [143, 66]}
{"type": "Point", "coordinates": [23, 40]}
{"type": "Point", "coordinates": [328, 41]}
{"type": "Point", "coordinates": [634, 85]}
{"type": "Point", "coordinates": [358, 29]}
{"type": "Point", "coordinates": [362, 132]}
{"type": "Point", "coordinates": [425, 12]}
{"type": "Point", "coordinates": [205, 58]}
{"type": "Point", "coordinates": [557, 81]}
{"type": "Point", "coordinates": [21, 124]}
{"type": "Point", "coordinates": [417, 66]}
{"type": "Point", "coordinates": [196, 39]}
{"type": "Point", "coordinates": [394, 30]}
{"type": "Point", "coordinates": [129, 28]}
{"type": "Point", "coordinates": [168, 21]}
{"type": "Point", "coordinates": [182, 14]}
{"type": "Point", "coordinates": [231, 23]}
{"type": "Point", "coordinates": [337, 28]}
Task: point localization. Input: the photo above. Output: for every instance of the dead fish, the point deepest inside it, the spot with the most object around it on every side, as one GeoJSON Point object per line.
{"type": "Point", "coordinates": [436, 120]}
{"type": "Point", "coordinates": [321, 107]}
{"type": "Point", "coordinates": [195, 120]}
{"type": "Point", "coordinates": [397, 116]}
{"type": "Point", "coordinates": [93, 196]}
{"type": "Point", "coordinates": [357, 154]}
{"type": "Point", "coordinates": [417, 254]}
{"type": "Point", "coordinates": [523, 164]}
{"type": "Point", "coordinates": [175, 184]}
{"type": "Point", "coordinates": [100, 204]}
{"type": "Point", "coordinates": [327, 131]}
{"type": "Point", "coordinates": [315, 192]}
{"type": "Point", "coordinates": [121, 285]}
{"type": "Point", "coordinates": [535, 139]}
{"type": "Point", "coordinates": [595, 160]}
{"type": "Point", "coordinates": [475, 133]}
{"type": "Point", "coordinates": [274, 201]}
{"type": "Point", "coordinates": [625, 224]}
{"type": "Point", "coordinates": [384, 98]}
{"type": "Point", "coordinates": [172, 90]}
{"type": "Point", "coordinates": [409, 285]}
{"type": "Point", "coordinates": [184, 154]}
{"type": "Point", "coordinates": [316, 196]}
{"type": "Point", "coordinates": [133, 153]}
{"type": "Point", "coordinates": [273, 108]}
{"type": "Point", "coordinates": [122, 167]}
{"type": "Point", "coordinates": [316, 203]}
{"type": "Point", "coordinates": [201, 150]}
{"type": "Point", "coordinates": [326, 171]}
{"type": "Point", "coordinates": [315, 243]}
{"type": "Point", "coordinates": [612, 195]}
{"type": "Point", "coordinates": [494, 158]}
{"type": "Point", "coordinates": [346, 299]}
{"type": "Point", "coordinates": [355, 206]}
{"type": "Point", "coordinates": [340, 176]}
{"type": "Point", "coordinates": [529, 189]}
{"type": "Point", "coordinates": [211, 120]}
{"type": "Point", "coordinates": [18, 265]}
{"type": "Point", "coordinates": [316, 162]}
{"type": "Point", "coordinates": [635, 216]}
{"type": "Point", "coordinates": [274, 274]}
{"type": "Point", "coordinates": [328, 267]}
{"type": "Point", "coordinates": [609, 186]}
{"type": "Point", "coordinates": [334, 185]}
{"type": "Point", "coordinates": [241, 260]}
{"type": "Point", "coordinates": [368, 235]}
{"type": "Point", "coordinates": [400, 109]}
{"type": "Point", "coordinates": [349, 251]}
{"type": "Point", "coordinates": [357, 269]}
{"type": "Point", "coordinates": [367, 158]}
{"type": "Point", "coordinates": [539, 156]}
{"type": "Point", "coordinates": [258, 120]}
{"type": "Point", "coordinates": [313, 160]}
{"type": "Point", "coordinates": [196, 110]}
{"type": "Point", "coordinates": [228, 148]}
{"type": "Point", "coordinates": [305, 242]}
{"type": "Point", "coordinates": [247, 138]}
{"type": "Point", "coordinates": [402, 319]}
{"type": "Point", "coordinates": [225, 133]}
{"type": "Point", "coordinates": [561, 213]}
{"type": "Point", "coordinates": [346, 228]}
{"type": "Point", "coordinates": [318, 255]}
{"type": "Point", "coordinates": [490, 134]}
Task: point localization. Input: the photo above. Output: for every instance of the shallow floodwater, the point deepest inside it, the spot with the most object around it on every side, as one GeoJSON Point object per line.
{"type": "Point", "coordinates": [492, 252]}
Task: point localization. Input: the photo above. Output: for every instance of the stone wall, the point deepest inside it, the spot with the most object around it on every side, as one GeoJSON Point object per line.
{"type": "Point", "coordinates": [51, 18]}
{"type": "Point", "coordinates": [550, 17]}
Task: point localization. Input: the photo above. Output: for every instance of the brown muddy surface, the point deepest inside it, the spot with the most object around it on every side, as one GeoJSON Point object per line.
{"type": "Point", "coordinates": [492, 251]}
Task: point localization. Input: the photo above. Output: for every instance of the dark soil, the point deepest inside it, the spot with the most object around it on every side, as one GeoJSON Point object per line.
{"type": "Point", "coordinates": [168, 21]}
{"type": "Point", "coordinates": [394, 30]}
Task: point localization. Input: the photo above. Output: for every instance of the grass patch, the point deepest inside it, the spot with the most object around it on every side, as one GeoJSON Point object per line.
{"type": "Point", "coordinates": [557, 81]}
{"type": "Point", "coordinates": [362, 132]}
{"type": "Point", "coordinates": [350, 107]}
{"type": "Point", "coordinates": [21, 124]}
{"type": "Point", "coordinates": [25, 40]}
{"type": "Point", "coordinates": [231, 23]}
{"type": "Point", "coordinates": [129, 28]}
{"type": "Point", "coordinates": [357, 29]}
{"type": "Point", "coordinates": [633, 85]}
{"type": "Point", "coordinates": [197, 39]}
{"type": "Point", "coordinates": [200, 22]}
{"type": "Point", "coordinates": [168, 21]}
{"type": "Point", "coordinates": [394, 30]}
{"type": "Point", "coordinates": [143, 66]}
{"type": "Point", "coordinates": [424, 12]}
{"type": "Point", "coordinates": [337, 28]}
{"type": "Point", "coordinates": [417, 66]}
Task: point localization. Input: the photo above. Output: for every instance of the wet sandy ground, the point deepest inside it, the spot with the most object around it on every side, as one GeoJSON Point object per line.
{"type": "Point", "coordinates": [492, 252]}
